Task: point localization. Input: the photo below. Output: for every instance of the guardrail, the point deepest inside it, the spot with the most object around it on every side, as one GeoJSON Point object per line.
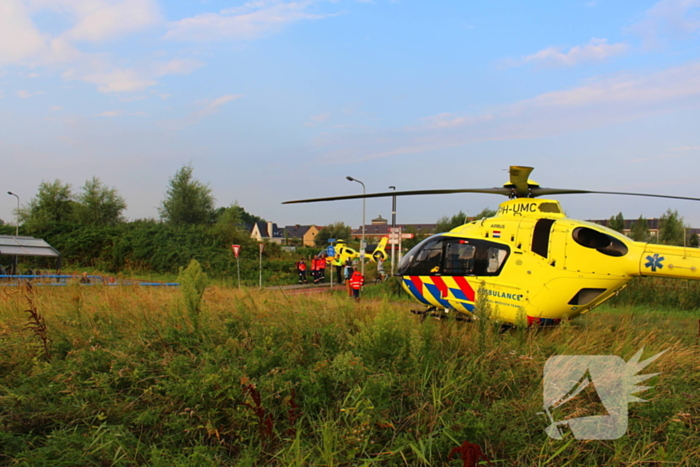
{"type": "Point", "coordinates": [65, 279]}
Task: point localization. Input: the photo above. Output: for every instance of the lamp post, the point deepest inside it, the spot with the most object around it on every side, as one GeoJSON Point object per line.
{"type": "Point", "coordinates": [362, 243]}
{"type": "Point", "coordinates": [16, 214]}
{"type": "Point", "coordinates": [393, 226]}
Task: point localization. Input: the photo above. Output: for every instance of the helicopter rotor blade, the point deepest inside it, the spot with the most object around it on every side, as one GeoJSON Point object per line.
{"type": "Point", "coordinates": [493, 191]}
{"type": "Point", "coordinates": [563, 191]}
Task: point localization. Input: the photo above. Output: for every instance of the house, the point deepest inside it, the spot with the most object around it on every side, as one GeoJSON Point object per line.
{"type": "Point", "coordinates": [305, 233]}
{"type": "Point", "coordinates": [380, 228]}
{"type": "Point", "coordinates": [267, 231]}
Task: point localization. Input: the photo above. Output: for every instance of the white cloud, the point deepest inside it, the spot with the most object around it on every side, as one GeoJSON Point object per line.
{"type": "Point", "coordinates": [675, 19]}
{"type": "Point", "coordinates": [26, 94]}
{"type": "Point", "coordinates": [449, 120]}
{"type": "Point", "coordinates": [250, 21]}
{"type": "Point", "coordinates": [114, 81]}
{"type": "Point", "coordinates": [19, 37]}
{"type": "Point", "coordinates": [685, 148]}
{"type": "Point", "coordinates": [103, 20]}
{"type": "Point", "coordinates": [205, 108]}
{"type": "Point", "coordinates": [22, 43]}
{"type": "Point", "coordinates": [595, 51]}
{"type": "Point", "coordinates": [176, 67]}
{"type": "Point", "coordinates": [605, 101]}
{"type": "Point", "coordinates": [120, 113]}
{"type": "Point", "coordinates": [208, 107]}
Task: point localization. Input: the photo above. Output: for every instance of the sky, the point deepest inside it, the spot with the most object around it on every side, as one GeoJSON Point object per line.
{"type": "Point", "coordinates": [272, 100]}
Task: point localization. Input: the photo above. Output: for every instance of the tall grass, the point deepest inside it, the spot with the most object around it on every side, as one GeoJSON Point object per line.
{"type": "Point", "coordinates": [317, 380]}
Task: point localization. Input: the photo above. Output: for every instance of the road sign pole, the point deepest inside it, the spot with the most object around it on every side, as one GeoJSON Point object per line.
{"type": "Point", "coordinates": [236, 252]}
{"type": "Point", "coordinates": [330, 251]}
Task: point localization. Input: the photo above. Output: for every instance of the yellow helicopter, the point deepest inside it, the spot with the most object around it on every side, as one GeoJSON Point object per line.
{"type": "Point", "coordinates": [530, 263]}
{"type": "Point", "coordinates": [344, 252]}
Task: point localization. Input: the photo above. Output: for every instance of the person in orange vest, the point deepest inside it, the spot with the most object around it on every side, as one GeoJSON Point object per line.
{"type": "Point", "coordinates": [357, 280]}
{"type": "Point", "coordinates": [322, 269]}
{"type": "Point", "coordinates": [314, 269]}
{"type": "Point", "coordinates": [301, 269]}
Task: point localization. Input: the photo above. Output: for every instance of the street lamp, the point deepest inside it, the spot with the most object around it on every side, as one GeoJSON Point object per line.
{"type": "Point", "coordinates": [362, 243]}
{"type": "Point", "coordinates": [16, 215]}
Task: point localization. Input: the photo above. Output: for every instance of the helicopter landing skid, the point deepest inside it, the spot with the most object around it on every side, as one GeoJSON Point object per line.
{"type": "Point", "coordinates": [441, 313]}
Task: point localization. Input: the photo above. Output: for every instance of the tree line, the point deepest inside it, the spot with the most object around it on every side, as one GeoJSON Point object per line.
{"type": "Point", "coordinates": [672, 229]}
{"type": "Point", "coordinates": [88, 227]}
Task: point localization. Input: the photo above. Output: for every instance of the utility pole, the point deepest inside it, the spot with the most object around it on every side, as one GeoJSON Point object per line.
{"type": "Point", "coordinates": [362, 243]}
{"type": "Point", "coordinates": [393, 226]}
{"type": "Point", "coordinates": [16, 214]}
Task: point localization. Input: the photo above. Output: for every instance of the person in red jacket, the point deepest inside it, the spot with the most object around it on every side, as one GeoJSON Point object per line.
{"type": "Point", "coordinates": [301, 269]}
{"type": "Point", "coordinates": [314, 269]}
{"type": "Point", "coordinates": [322, 269]}
{"type": "Point", "coordinates": [357, 280]}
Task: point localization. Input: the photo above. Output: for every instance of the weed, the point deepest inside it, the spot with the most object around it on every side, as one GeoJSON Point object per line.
{"type": "Point", "coordinates": [37, 323]}
{"type": "Point", "coordinates": [279, 380]}
{"type": "Point", "coordinates": [193, 282]}
{"type": "Point", "coordinates": [469, 453]}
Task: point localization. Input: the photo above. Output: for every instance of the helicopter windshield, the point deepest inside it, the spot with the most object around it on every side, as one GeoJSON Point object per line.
{"type": "Point", "coordinates": [450, 256]}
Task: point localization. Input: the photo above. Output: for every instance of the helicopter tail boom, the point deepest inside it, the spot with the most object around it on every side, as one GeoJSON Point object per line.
{"type": "Point", "coordinates": [670, 261]}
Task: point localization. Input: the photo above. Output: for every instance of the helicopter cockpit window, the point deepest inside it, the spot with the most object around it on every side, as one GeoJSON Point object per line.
{"type": "Point", "coordinates": [450, 256]}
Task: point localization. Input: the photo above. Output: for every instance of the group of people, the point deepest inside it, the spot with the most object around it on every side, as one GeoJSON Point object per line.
{"type": "Point", "coordinates": [318, 270]}
{"type": "Point", "coordinates": [348, 273]}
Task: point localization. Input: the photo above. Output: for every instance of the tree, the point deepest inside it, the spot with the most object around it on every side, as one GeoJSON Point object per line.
{"type": "Point", "coordinates": [694, 241]}
{"type": "Point", "coordinates": [52, 204]}
{"type": "Point", "coordinates": [640, 230]}
{"type": "Point", "coordinates": [229, 224]}
{"type": "Point", "coordinates": [617, 223]}
{"type": "Point", "coordinates": [187, 201]}
{"type": "Point", "coordinates": [337, 230]}
{"type": "Point", "coordinates": [445, 224]}
{"type": "Point", "coordinates": [243, 216]}
{"type": "Point", "coordinates": [486, 212]}
{"type": "Point", "coordinates": [98, 204]}
{"type": "Point", "coordinates": [417, 238]}
{"type": "Point", "coordinates": [671, 228]}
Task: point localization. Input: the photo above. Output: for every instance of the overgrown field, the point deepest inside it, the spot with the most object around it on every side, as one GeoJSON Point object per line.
{"type": "Point", "coordinates": [136, 376]}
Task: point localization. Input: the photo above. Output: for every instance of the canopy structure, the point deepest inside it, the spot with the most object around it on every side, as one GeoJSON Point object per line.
{"type": "Point", "coordinates": [26, 246]}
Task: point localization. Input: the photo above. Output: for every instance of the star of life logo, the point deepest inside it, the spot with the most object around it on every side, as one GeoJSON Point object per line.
{"type": "Point", "coordinates": [604, 382]}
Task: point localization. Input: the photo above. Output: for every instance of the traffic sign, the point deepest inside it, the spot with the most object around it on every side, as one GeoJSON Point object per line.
{"type": "Point", "coordinates": [395, 236]}
{"type": "Point", "coordinates": [236, 250]}
{"type": "Point", "coordinates": [330, 251]}
{"type": "Point", "coordinates": [394, 229]}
